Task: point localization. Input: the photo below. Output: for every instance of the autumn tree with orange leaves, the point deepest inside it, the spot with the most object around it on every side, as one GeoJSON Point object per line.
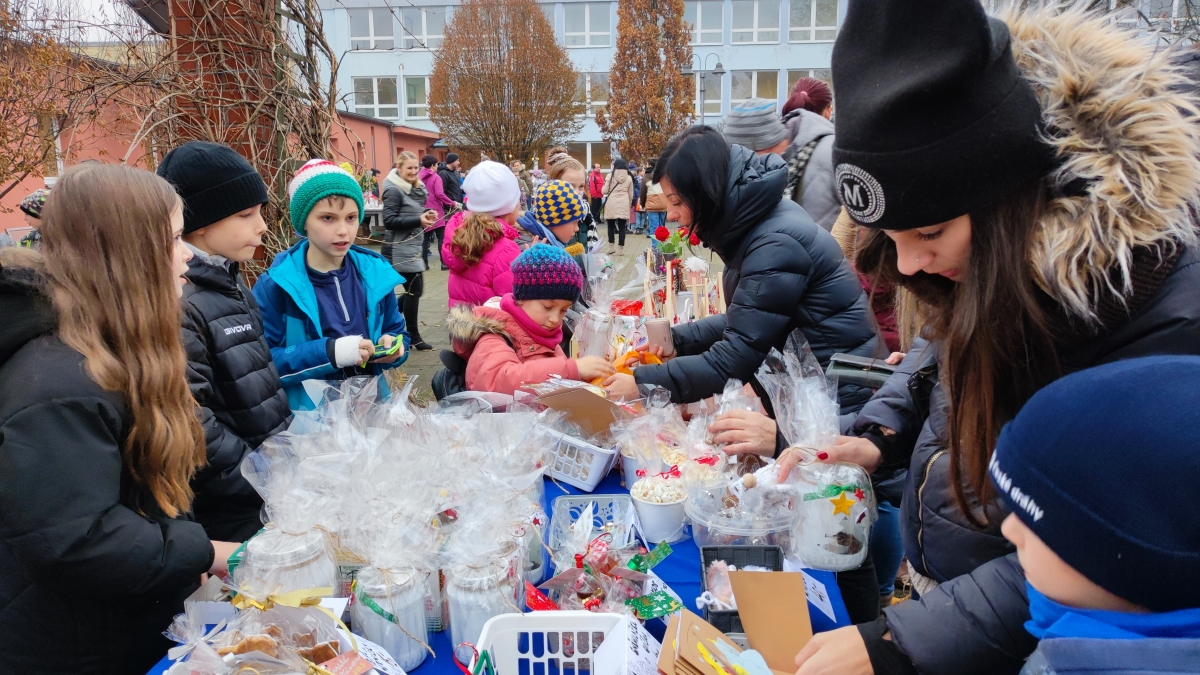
{"type": "Point", "coordinates": [650, 99]}
{"type": "Point", "coordinates": [501, 82]}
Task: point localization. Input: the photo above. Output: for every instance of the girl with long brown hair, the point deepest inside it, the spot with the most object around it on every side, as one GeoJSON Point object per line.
{"type": "Point", "coordinates": [98, 433]}
{"type": "Point", "coordinates": [1037, 197]}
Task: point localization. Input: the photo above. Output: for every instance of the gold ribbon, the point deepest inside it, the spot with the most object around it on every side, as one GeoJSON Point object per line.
{"type": "Point", "coordinates": [305, 597]}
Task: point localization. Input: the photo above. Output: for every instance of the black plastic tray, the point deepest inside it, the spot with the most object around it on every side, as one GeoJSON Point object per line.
{"type": "Point", "coordinates": [770, 557]}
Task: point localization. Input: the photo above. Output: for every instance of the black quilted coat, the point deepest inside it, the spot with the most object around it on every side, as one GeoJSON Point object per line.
{"type": "Point", "coordinates": [235, 383]}
{"type": "Point", "coordinates": [782, 272]}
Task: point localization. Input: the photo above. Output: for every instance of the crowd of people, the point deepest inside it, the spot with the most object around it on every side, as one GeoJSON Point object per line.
{"type": "Point", "coordinates": [1003, 208]}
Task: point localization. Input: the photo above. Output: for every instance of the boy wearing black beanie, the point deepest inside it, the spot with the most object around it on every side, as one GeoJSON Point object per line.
{"type": "Point", "coordinates": [1098, 470]}
{"type": "Point", "coordinates": [240, 399]}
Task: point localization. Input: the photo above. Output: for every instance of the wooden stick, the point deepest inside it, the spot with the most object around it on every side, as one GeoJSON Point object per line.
{"type": "Point", "coordinates": [648, 298]}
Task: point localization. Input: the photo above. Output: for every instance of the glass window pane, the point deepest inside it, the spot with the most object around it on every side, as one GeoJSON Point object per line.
{"type": "Point", "coordinates": [826, 12]}
{"type": "Point", "coordinates": [548, 10]}
{"type": "Point", "coordinates": [573, 16]}
{"type": "Point", "coordinates": [360, 44]}
{"type": "Point", "coordinates": [794, 77]}
{"type": "Point", "coordinates": [387, 90]}
{"type": "Point", "coordinates": [364, 92]}
{"type": "Point", "coordinates": [827, 35]}
{"type": "Point", "coordinates": [602, 155]}
{"type": "Point", "coordinates": [576, 41]}
{"type": "Point", "coordinates": [768, 14]}
{"type": "Point", "coordinates": [801, 13]}
{"type": "Point", "coordinates": [742, 86]}
{"type": "Point", "coordinates": [825, 75]}
{"type": "Point", "coordinates": [710, 38]}
{"type": "Point", "coordinates": [359, 23]}
{"type": "Point", "coordinates": [434, 43]}
{"type": "Point", "coordinates": [389, 112]}
{"type": "Point", "coordinates": [767, 87]}
{"type": "Point", "coordinates": [383, 22]}
{"type": "Point", "coordinates": [385, 44]}
{"type": "Point", "coordinates": [599, 86]}
{"type": "Point", "coordinates": [414, 90]}
{"type": "Point", "coordinates": [598, 16]}
{"type": "Point", "coordinates": [689, 14]}
{"type": "Point", "coordinates": [410, 17]}
{"type": "Point", "coordinates": [743, 36]}
{"type": "Point", "coordinates": [578, 151]}
{"type": "Point", "coordinates": [743, 14]}
{"type": "Point", "coordinates": [710, 16]}
{"type": "Point", "coordinates": [435, 21]}
{"type": "Point", "coordinates": [598, 40]}
{"type": "Point", "coordinates": [768, 36]}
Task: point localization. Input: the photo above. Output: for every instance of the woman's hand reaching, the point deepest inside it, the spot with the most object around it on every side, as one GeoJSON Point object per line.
{"type": "Point", "coordinates": [744, 432]}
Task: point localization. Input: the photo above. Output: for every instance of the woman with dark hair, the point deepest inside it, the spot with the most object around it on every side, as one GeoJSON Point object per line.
{"type": "Point", "coordinates": [782, 272]}
{"type": "Point", "coordinates": [1036, 194]}
{"type": "Point", "coordinates": [618, 197]}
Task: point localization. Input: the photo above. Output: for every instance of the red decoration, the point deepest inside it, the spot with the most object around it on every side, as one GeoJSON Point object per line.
{"type": "Point", "coordinates": [536, 600]}
{"type": "Point", "coordinates": [707, 461]}
{"type": "Point", "coordinates": [627, 307]}
{"type": "Point", "coordinates": [858, 492]}
{"type": "Point", "coordinates": [694, 240]}
{"type": "Point", "coordinates": [662, 233]}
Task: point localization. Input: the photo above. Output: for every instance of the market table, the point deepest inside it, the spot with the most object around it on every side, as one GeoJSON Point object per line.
{"type": "Point", "coordinates": [681, 571]}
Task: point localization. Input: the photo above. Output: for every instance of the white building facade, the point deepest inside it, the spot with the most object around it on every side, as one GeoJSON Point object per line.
{"type": "Point", "coordinates": [386, 50]}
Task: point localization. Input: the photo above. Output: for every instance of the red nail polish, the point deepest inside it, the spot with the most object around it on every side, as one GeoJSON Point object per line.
{"type": "Point", "coordinates": [822, 456]}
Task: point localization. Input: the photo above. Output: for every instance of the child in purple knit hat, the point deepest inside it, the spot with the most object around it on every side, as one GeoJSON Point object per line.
{"type": "Point", "coordinates": [515, 339]}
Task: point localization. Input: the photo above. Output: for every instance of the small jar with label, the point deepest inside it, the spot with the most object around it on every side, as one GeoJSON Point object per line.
{"type": "Point", "coordinates": [389, 610]}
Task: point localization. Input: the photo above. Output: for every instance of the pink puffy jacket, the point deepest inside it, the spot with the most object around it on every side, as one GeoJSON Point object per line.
{"type": "Point", "coordinates": [486, 279]}
{"type": "Point", "coordinates": [492, 365]}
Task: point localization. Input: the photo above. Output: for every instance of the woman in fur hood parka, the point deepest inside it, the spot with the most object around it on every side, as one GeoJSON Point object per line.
{"type": "Point", "coordinates": [1032, 179]}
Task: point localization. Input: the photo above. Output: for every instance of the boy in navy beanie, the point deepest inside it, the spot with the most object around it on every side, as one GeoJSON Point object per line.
{"type": "Point", "coordinates": [240, 400]}
{"type": "Point", "coordinates": [1099, 471]}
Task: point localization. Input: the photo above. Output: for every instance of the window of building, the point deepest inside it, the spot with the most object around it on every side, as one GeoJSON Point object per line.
{"type": "Point", "coordinates": [578, 151]}
{"type": "Point", "coordinates": [586, 24]}
{"type": "Point", "coordinates": [602, 155]}
{"type": "Point", "coordinates": [591, 93]}
{"type": "Point", "coordinates": [423, 27]}
{"type": "Point", "coordinates": [548, 10]}
{"type": "Point", "coordinates": [416, 97]}
{"type": "Point", "coordinates": [748, 84]}
{"type": "Point", "coordinates": [376, 97]}
{"type": "Point", "coordinates": [812, 20]}
{"type": "Point", "coordinates": [707, 21]}
{"type": "Point", "coordinates": [371, 29]}
{"type": "Point", "coordinates": [709, 94]}
{"type": "Point", "coordinates": [755, 21]}
{"type": "Point", "coordinates": [823, 74]}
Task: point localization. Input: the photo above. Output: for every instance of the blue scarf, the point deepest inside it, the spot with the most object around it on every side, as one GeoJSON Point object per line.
{"type": "Point", "coordinates": [1050, 619]}
{"type": "Point", "coordinates": [532, 226]}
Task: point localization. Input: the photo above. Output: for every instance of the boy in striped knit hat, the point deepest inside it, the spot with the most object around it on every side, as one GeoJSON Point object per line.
{"type": "Point", "coordinates": [329, 307]}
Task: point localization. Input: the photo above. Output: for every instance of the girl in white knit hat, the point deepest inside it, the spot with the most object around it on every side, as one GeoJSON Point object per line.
{"type": "Point", "coordinates": [481, 243]}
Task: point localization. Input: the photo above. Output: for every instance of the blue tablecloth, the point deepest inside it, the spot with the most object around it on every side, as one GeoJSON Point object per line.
{"type": "Point", "coordinates": [681, 571]}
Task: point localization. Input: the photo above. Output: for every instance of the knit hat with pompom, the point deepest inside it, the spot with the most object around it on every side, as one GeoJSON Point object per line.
{"type": "Point", "coordinates": [316, 180]}
{"type": "Point", "coordinates": [546, 272]}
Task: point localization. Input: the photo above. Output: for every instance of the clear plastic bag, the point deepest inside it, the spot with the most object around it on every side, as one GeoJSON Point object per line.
{"type": "Point", "coordinates": [836, 502]}
{"type": "Point", "coordinates": [195, 650]}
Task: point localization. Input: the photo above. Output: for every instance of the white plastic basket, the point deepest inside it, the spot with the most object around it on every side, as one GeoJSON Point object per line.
{"type": "Point", "coordinates": [608, 508]}
{"type": "Point", "coordinates": [581, 464]}
{"type": "Point", "coordinates": [569, 643]}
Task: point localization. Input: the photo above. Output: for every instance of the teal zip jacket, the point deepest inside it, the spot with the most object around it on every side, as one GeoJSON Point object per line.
{"type": "Point", "coordinates": [292, 324]}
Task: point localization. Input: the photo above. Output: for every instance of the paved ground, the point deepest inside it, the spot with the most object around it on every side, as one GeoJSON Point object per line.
{"type": "Point", "coordinates": [433, 313]}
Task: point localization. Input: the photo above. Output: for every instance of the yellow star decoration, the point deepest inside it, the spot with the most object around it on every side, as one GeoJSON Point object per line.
{"type": "Point", "coordinates": [842, 504]}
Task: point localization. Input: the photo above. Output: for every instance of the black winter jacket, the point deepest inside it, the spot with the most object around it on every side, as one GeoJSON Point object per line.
{"type": "Point", "coordinates": [782, 272]}
{"type": "Point", "coordinates": [451, 182]}
{"type": "Point", "coordinates": [405, 234]}
{"type": "Point", "coordinates": [87, 582]}
{"type": "Point", "coordinates": [984, 583]}
{"type": "Point", "coordinates": [236, 385]}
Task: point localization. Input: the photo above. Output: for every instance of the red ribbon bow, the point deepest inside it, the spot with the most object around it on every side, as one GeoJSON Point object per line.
{"type": "Point", "coordinates": [673, 472]}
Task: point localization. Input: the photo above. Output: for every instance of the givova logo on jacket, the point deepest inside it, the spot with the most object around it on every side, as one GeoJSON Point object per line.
{"type": "Point", "coordinates": [239, 329]}
{"type": "Point", "coordinates": [860, 193]}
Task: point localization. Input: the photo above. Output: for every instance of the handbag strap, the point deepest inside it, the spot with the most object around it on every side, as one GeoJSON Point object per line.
{"type": "Point", "coordinates": [797, 167]}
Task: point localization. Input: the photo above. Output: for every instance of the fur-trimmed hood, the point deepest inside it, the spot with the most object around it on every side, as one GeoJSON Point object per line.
{"type": "Point", "coordinates": [466, 324]}
{"type": "Point", "coordinates": [1122, 118]}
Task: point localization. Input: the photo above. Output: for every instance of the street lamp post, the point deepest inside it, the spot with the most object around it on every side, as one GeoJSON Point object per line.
{"type": "Point", "coordinates": [718, 71]}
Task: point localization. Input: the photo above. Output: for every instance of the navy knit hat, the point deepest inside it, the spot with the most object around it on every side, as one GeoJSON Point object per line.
{"type": "Point", "coordinates": [213, 181]}
{"type": "Point", "coordinates": [546, 272]}
{"type": "Point", "coordinates": [1102, 465]}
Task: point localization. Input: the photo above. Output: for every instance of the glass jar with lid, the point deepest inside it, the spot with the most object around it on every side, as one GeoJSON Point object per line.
{"type": "Point", "coordinates": [281, 562]}
{"type": "Point", "coordinates": [389, 610]}
{"type": "Point", "coordinates": [477, 593]}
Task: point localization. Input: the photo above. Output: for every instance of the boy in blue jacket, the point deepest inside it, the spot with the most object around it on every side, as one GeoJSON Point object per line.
{"type": "Point", "coordinates": [1098, 470]}
{"type": "Point", "coordinates": [328, 305]}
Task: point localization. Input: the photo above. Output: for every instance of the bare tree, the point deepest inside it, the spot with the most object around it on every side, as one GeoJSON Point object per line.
{"type": "Point", "coordinates": [501, 83]}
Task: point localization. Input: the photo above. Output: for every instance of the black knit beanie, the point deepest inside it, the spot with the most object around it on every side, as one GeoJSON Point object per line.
{"type": "Point", "coordinates": [213, 181]}
{"type": "Point", "coordinates": [934, 119]}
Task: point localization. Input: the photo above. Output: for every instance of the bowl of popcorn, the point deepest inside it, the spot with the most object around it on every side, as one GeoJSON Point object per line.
{"type": "Point", "coordinates": [659, 502]}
